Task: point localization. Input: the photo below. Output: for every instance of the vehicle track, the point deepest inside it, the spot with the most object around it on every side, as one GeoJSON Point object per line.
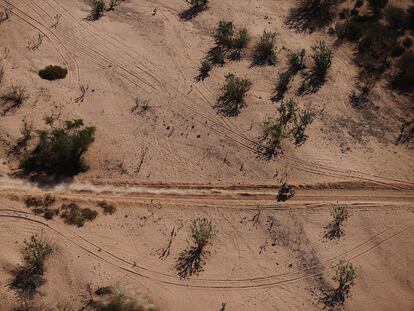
{"type": "Point", "coordinates": [107, 256]}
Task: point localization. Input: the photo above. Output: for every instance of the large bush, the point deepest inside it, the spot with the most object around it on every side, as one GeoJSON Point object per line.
{"type": "Point", "coordinates": [60, 149]}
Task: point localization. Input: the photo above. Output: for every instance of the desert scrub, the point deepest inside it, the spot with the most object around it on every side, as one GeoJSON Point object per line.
{"type": "Point", "coordinates": [191, 261]}
{"type": "Point", "coordinates": [233, 93]}
{"type": "Point", "coordinates": [322, 58]}
{"type": "Point", "coordinates": [282, 85]}
{"type": "Point", "coordinates": [296, 61]}
{"type": "Point", "coordinates": [53, 72]}
{"type": "Point", "coordinates": [204, 70]}
{"type": "Point", "coordinates": [345, 275]}
{"type": "Point", "coordinates": [97, 9]}
{"type": "Point", "coordinates": [264, 52]}
{"type": "Point", "coordinates": [59, 150]}
{"type": "Point", "coordinates": [224, 34]}
{"type": "Point", "coordinates": [197, 3]}
{"type": "Point", "coordinates": [14, 94]}
{"type": "Point", "coordinates": [73, 214]}
{"type": "Point", "coordinates": [108, 209]}
{"type": "Point", "coordinates": [29, 277]}
{"type": "Point", "coordinates": [334, 229]}
{"type": "Point", "coordinates": [305, 118]}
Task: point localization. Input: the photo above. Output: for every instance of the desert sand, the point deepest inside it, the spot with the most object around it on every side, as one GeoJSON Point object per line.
{"type": "Point", "coordinates": [180, 160]}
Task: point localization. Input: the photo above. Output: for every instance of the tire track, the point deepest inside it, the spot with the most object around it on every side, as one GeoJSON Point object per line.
{"type": "Point", "coordinates": [243, 283]}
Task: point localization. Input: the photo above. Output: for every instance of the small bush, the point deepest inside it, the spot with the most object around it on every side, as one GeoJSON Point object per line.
{"type": "Point", "coordinates": [234, 90]}
{"type": "Point", "coordinates": [204, 69]}
{"type": "Point", "coordinates": [264, 52]}
{"type": "Point", "coordinates": [52, 72]}
{"type": "Point", "coordinates": [108, 209]}
{"type": "Point", "coordinates": [113, 4]}
{"type": "Point", "coordinates": [197, 3]}
{"type": "Point", "coordinates": [287, 111]}
{"type": "Point", "coordinates": [273, 131]}
{"type": "Point", "coordinates": [322, 57]}
{"type": "Point", "coordinates": [339, 214]}
{"type": "Point", "coordinates": [403, 79]}
{"type": "Point", "coordinates": [306, 118]}
{"type": "Point", "coordinates": [15, 94]}
{"type": "Point", "coordinates": [216, 56]}
{"type": "Point", "coordinates": [224, 33]}
{"type": "Point", "coordinates": [282, 85]}
{"type": "Point", "coordinates": [29, 277]}
{"type": "Point", "coordinates": [32, 201]}
{"type": "Point", "coordinates": [97, 9]}
{"type": "Point", "coordinates": [296, 61]}
{"type": "Point", "coordinates": [59, 150]}
{"type": "Point", "coordinates": [241, 40]}
{"type": "Point", "coordinates": [75, 215]}
{"type": "Point", "coordinates": [345, 275]}
{"type": "Point", "coordinates": [191, 261]}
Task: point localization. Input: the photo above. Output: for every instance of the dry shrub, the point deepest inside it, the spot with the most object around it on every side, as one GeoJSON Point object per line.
{"type": "Point", "coordinates": [73, 214]}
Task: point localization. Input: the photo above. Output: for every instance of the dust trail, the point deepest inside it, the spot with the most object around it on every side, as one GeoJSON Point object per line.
{"type": "Point", "coordinates": [10, 183]}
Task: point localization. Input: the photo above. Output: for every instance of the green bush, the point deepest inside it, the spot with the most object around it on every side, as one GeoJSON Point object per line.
{"type": "Point", "coordinates": [322, 57]}
{"type": "Point", "coordinates": [97, 9]}
{"type": "Point", "coordinates": [339, 214]}
{"type": "Point", "coordinates": [53, 73]}
{"type": "Point", "coordinates": [234, 90]}
{"type": "Point", "coordinates": [403, 79]}
{"type": "Point", "coordinates": [75, 215]}
{"type": "Point", "coordinates": [29, 277]}
{"type": "Point", "coordinates": [282, 84]}
{"type": "Point", "coordinates": [204, 69]}
{"type": "Point", "coordinates": [197, 3]}
{"type": "Point", "coordinates": [296, 61]}
{"type": "Point", "coordinates": [264, 52]}
{"type": "Point", "coordinates": [241, 40]}
{"type": "Point", "coordinates": [224, 33]}
{"type": "Point", "coordinates": [202, 232]}
{"type": "Point", "coordinates": [59, 151]}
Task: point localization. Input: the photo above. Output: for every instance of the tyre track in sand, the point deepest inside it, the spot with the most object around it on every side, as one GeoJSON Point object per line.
{"type": "Point", "coordinates": [130, 267]}
{"type": "Point", "coordinates": [219, 127]}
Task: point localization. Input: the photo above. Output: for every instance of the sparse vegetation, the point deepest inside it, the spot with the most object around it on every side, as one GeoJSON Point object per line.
{"type": "Point", "coordinates": [35, 43]}
{"type": "Point", "coordinates": [296, 61]}
{"type": "Point", "coordinates": [52, 72]}
{"type": "Point", "coordinates": [204, 70]}
{"type": "Point", "coordinates": [113, 4]}
{"type": "Point", "coordinates": [291, 122]}
{"type": "Point", "coordinates": [345, 275]}
{"type": "Point", "coordinates": [29, 277]}
{"type": "Point", "coordinates": [73, 214]}
{"type": "Point", "coordinates": [59, 151]}
{"type": "Point", "coordinates": [234, 91]}
{"type": "Point", "coordinates": [282, 85]}
{"type": "Point", "coordinates": [12, 98]}
{"type": "Point", "coordinates": [97, 9]}
{"type": "Point", "coordinates": [190, 261]}
{"type": "Point", "coordinates": [334, 229]}
{"type": "Point", "coordinates": [108, 209]}
{"type": "Point", "coordinates": [322, 57]}
{"type": "Point", "coordinates": [141, 106]}
{"type": "Point", "coordinates": [42, 206]}
{"type": "Point", "coordinates": [196, 7]}
{"type": "Point", "coordinates": [224, 34]}
{"type": "Point", "coordinates": [264, 52]}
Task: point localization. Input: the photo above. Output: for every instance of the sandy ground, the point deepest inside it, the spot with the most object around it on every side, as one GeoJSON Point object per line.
{"type": "Point", "coordinates": [181, 160]}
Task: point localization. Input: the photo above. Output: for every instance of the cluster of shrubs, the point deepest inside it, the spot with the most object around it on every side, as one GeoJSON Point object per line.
{"type": "Point", "coordinates": [12, 98]}
{"type": "Point", "coordinates": [72, 213]}
{"type": "Point", "coordinates": [59, 150]}
{"type": "Point", "coordinates": [291, 123]}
